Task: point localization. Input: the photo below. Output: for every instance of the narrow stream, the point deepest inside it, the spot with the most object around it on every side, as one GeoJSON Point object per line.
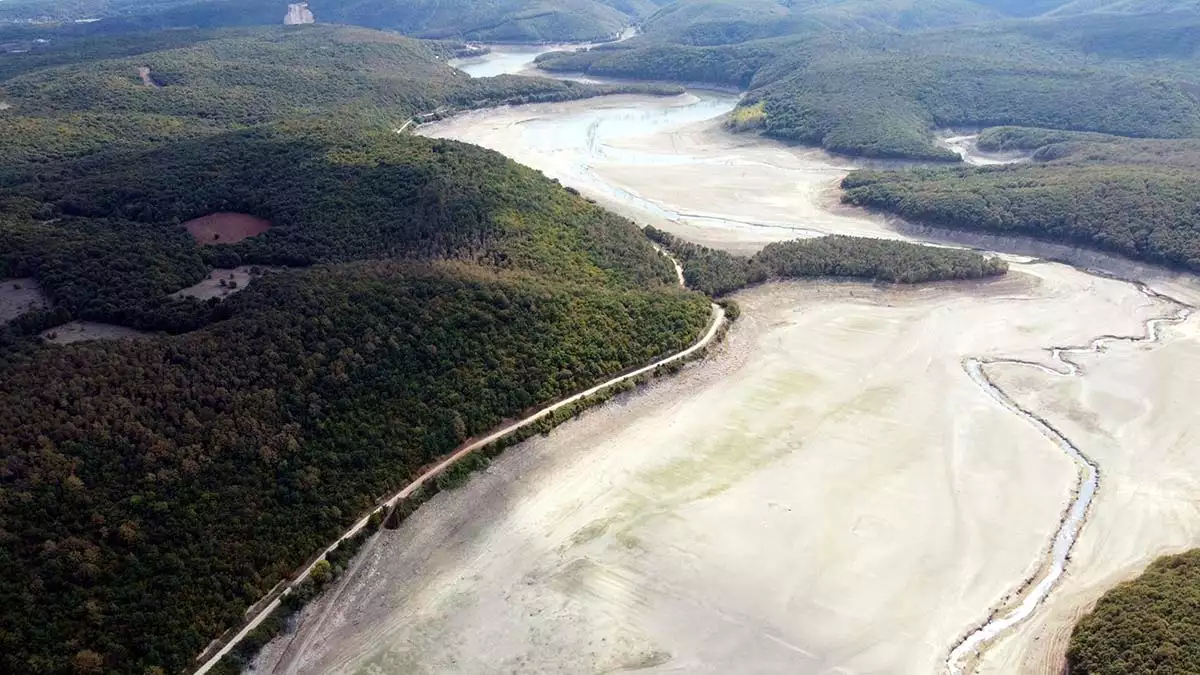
{"type": "Point", "coordinates": [963, 653]}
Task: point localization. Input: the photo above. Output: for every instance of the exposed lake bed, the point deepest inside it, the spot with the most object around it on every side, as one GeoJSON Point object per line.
{"type": "Point", "coordinates": [831, 492]}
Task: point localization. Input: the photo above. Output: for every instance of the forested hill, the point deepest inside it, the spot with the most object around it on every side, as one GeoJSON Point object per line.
{"type": "Point", "coordinates": [875, 78]}
{"type": "Point", "coordinates": [1137, 198]}
{"type": "Point", "coordinates": [79, 96]}
{"type": "Point", "coordinates": [420, 292]}
{"type": "Point", "coordinates": [482, 20]}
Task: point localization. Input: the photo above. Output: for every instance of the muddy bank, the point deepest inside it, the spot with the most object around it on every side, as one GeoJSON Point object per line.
{"type": "Point", "coordinates": [225, 228]}
{"type": "Point", "coordinates": [965, 144]}
{"type": "Point", "coordinates": [832, 492]}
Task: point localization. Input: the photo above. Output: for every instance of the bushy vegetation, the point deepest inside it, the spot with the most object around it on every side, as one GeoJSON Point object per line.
{"type": "Point", "coordinates": [1003, 138]}
{"type": "Point", "coordinates": [718, 272]}
{"type": "Point", "coordinates": [168, 483]}
{"type": "Point", "coordinates": [1148, 626]}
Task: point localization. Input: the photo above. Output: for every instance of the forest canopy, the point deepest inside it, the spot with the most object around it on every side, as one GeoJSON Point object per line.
{"type": "Point", "coordinates": [414, 293]}
{"type": "Point", "coordinates": [1147, 626]}
{"type": "Point", "coordinates": [877, 78]}
{"type": "Point", "coordinates": [1135, 198]}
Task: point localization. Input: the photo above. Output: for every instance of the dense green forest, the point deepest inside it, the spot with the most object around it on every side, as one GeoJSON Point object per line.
{"type": "Point", "coordinates": [1134, 198]}
{"type": "Point", "coordinates": [153, 488]}
{"type": "Point", "coordinates": [484, 20]}
{"type": "Point", "coordinates": [1148, 626]}
{"type": "Point", "coordinates": [719, 272]}
{"type": "Point", "coordinates": [875, 78]}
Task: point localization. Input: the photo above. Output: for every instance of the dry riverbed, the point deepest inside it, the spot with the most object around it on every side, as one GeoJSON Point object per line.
{"type": "Point", "coordinates": [830, 493]}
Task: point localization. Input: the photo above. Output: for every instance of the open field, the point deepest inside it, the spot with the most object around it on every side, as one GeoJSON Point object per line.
{"type": "Point", "coordinates": [80, 331]}
{"type": "Point", "coordinates": [221, 283]}
{"type": "Point", "coordinates": [1132, 414]}
{"type": "Point", "coordinates": [225, 228]}
{"type": "Point", "coordinates": [18, 296]}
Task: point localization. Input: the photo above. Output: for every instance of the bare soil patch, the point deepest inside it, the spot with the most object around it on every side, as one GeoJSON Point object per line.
{"type": "Point", "coordinates": [18, 296]}
{"type": "Point", "coordinates": [225, 227]}
{"type": "Point", "coordinates": [144, 73]}
{"type": "Point", "coordinates": [80, 331]}
{"type": "Point", "coordinates": [222, 283]}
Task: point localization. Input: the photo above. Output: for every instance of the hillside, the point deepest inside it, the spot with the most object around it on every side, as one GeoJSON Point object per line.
{"type": "Point", "coordinates": [1130, 197]}
{"type": "Point", "coordinates": [482, 20]}
{"type": "Point", "coordinates": [419, 292]}
{"type": "Point", "coordinates": [876, 78]}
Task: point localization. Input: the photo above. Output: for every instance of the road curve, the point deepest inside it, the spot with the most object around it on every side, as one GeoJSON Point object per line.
{"type": "Point", "coordinates": [718, 319]}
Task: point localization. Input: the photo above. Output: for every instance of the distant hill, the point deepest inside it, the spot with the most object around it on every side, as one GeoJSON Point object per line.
{"type": "Point", "coordinates": [483, 20]}
{"type": "Point", "coordinates": [875, 77]}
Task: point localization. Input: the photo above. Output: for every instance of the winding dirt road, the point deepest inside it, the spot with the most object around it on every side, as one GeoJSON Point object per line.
{"type": "Point", "coordinates": [718, 319]}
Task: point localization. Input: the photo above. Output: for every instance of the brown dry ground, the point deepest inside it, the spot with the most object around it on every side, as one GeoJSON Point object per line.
{"type": "Point", "coordinates": [225, 228]}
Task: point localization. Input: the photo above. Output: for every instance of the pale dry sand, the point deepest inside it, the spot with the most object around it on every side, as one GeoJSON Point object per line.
{"type": "Point", "coordinates": [80, 331]}
{"type": "Point", "coordinates": [1133, 413]}
{"type": "Point", "coordinates": [831, 493]}
{"type": "Point", "coordinates": [18, 296]}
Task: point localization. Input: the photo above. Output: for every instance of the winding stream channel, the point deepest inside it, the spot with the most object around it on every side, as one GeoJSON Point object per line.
{"type": "Point", "coordinates": [858, 481]}
{"type": "Point", "coordinates": [964, 652]}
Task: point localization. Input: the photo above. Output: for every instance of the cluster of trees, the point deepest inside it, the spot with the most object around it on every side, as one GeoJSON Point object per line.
{"type": "Point", "coordinates": [155, 488]}
{"type": "Point", "coordinates": [1146, 212]}
{"type": "Point", "coordinates": [74, 97]}
{"type": "Point", "coordinates": [1148, 626]}
{"type": "Point", "coordinates": [718, 272]}
{"type": "Point", "coordinates": [1004, 138]}
{"type": "Point", "coordinates": [101, 170]}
